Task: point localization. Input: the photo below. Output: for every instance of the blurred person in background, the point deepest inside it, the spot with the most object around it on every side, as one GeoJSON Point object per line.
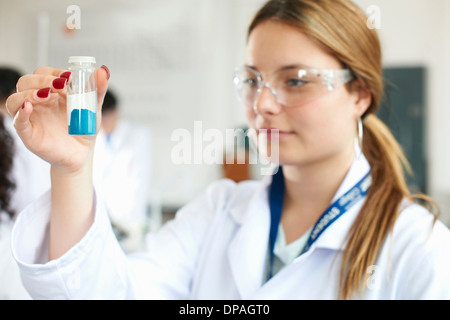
{"type": "Point", "coordinates": [30, 173]}
{"type": "Point", "coordinates": [122, 172]}
{"type": "Point", "coordinates": [11, 287]}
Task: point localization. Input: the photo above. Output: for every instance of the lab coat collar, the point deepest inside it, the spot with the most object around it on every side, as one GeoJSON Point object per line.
{"type": "Point", "coordinates": [240, 209]}
{"type": "Point", "coordinates": [117, 137]}
{"type": "Point", "coordinates": [335, 235]}
{"type": "Point", "coordinates": [248, 248]}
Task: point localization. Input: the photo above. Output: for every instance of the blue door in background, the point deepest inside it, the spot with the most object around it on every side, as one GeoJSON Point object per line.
{"type": "Point", "coordinates": [403, 111]}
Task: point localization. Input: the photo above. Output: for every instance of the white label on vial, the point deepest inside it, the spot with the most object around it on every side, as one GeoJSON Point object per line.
{"type": "Point", "coordinates": [86, 100]}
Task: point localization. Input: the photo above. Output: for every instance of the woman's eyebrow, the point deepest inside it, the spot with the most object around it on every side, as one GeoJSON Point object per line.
{"type": "Point", "coordinates": [294, 66]}
{"type": "Point", "coordinates": [287, 67]}
{"type": "Point", "coordinates": [251, 67]}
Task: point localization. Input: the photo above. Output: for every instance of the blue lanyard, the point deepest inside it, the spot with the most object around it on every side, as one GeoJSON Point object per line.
{"type": "Point", "coordinates": [334, 212]}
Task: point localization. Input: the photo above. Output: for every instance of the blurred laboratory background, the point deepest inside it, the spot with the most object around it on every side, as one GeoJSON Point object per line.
{"type": "Point", "coordinates": [171, 64]}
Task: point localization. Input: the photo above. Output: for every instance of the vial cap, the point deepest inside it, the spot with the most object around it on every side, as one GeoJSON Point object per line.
{"type": "Point", "coordinates": [81, 59]}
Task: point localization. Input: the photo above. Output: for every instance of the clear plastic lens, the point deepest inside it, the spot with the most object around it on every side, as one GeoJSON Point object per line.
{"type": "Point", "coordinates": [291, 86]}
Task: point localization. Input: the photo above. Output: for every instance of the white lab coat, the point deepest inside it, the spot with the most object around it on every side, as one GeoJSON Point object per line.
{"type": "Point", "coordinates": [216, 248]}
{"type": "Point", "coordinates": [11, 287]}
{"type": "Point", "coordinates": [122, 176]}
{"type": "Point", "coordinates": [30, 173]}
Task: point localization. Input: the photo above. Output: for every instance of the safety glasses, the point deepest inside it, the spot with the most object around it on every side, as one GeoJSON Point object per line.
{"type": "Point", "coordinates": [291, 86]}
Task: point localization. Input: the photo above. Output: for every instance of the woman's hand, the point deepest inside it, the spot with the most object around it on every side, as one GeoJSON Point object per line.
{"type": "Point", "coordinates": [40, 112]}
{"type": "Point", "coordinates": [39, 108]}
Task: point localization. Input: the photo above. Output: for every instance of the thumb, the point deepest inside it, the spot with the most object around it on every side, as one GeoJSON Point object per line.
{"type": "Point", "coordinates": [103, 76]}
{"type": "Point", "coordinates": [22, 122]}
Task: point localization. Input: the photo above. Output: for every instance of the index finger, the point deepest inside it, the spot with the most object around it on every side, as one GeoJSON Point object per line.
{"type": "Point", "coordinates": [49, 71]}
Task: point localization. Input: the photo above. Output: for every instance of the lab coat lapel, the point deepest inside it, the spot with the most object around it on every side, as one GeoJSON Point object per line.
{"type": "Point", "coordinates": [336, 235]}
{"type": "Point", "coordinates": [248, 249]}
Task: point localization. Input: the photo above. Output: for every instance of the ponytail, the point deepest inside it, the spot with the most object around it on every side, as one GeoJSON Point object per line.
{"type": "Point", "coordinates": [382, 207]}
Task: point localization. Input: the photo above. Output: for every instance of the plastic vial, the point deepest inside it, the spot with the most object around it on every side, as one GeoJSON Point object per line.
{"type": "Point", "coordinates": [82, 97]}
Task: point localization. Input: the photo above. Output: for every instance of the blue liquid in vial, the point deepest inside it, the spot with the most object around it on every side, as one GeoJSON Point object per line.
{"type": "Point", "coordinates": [82, 122]}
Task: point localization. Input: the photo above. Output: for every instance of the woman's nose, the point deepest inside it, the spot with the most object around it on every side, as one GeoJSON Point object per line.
{"type": "Point", "coordinates": [266, 101]}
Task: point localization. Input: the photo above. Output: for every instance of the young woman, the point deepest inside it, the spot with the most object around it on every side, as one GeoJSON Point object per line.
{"type": "Point", "coordinates": [335, 222]}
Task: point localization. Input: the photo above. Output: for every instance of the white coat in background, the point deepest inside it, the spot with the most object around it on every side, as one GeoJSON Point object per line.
{"type": "Point", "coordinates": [30, 173]}
{"type": "Point", "coordinates": [122, 176]}
{"type": "Point", "coordinates": [216, 248]}
{"type": "Point", "coordinates": [11, 287]}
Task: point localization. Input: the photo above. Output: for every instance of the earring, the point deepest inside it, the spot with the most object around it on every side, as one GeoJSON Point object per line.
{"type": "Point", "coordinates": [360, 133]}
{"type": "Point", "coordinates": [359, 139]}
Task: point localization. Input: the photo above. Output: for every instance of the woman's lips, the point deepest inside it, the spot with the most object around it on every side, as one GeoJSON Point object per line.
{"type": "Point", "coordinates": [275, 133]}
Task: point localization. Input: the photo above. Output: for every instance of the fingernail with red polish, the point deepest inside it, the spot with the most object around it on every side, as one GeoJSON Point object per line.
{"type": "Point", "coordinates": [43, 93]}
{"type": "Point", "coordinates": [23, 105]}
{"type": "Point", "coordinates": [66, 75]}
{"type": "Point", "coordinates": [107, 71]}
{"type": "Point", "coordinates": [59, 83]}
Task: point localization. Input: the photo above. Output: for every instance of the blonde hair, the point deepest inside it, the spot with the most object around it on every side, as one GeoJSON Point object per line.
{"type": "Point", "coordinates": [340, 28]}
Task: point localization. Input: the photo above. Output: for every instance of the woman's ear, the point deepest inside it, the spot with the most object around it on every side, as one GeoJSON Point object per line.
{"type": "Point", "coordinates": [362, 96]}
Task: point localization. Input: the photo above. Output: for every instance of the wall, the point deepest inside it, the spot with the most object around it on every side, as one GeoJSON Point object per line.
{"type": "Point", "coordinates": [171, 63]}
